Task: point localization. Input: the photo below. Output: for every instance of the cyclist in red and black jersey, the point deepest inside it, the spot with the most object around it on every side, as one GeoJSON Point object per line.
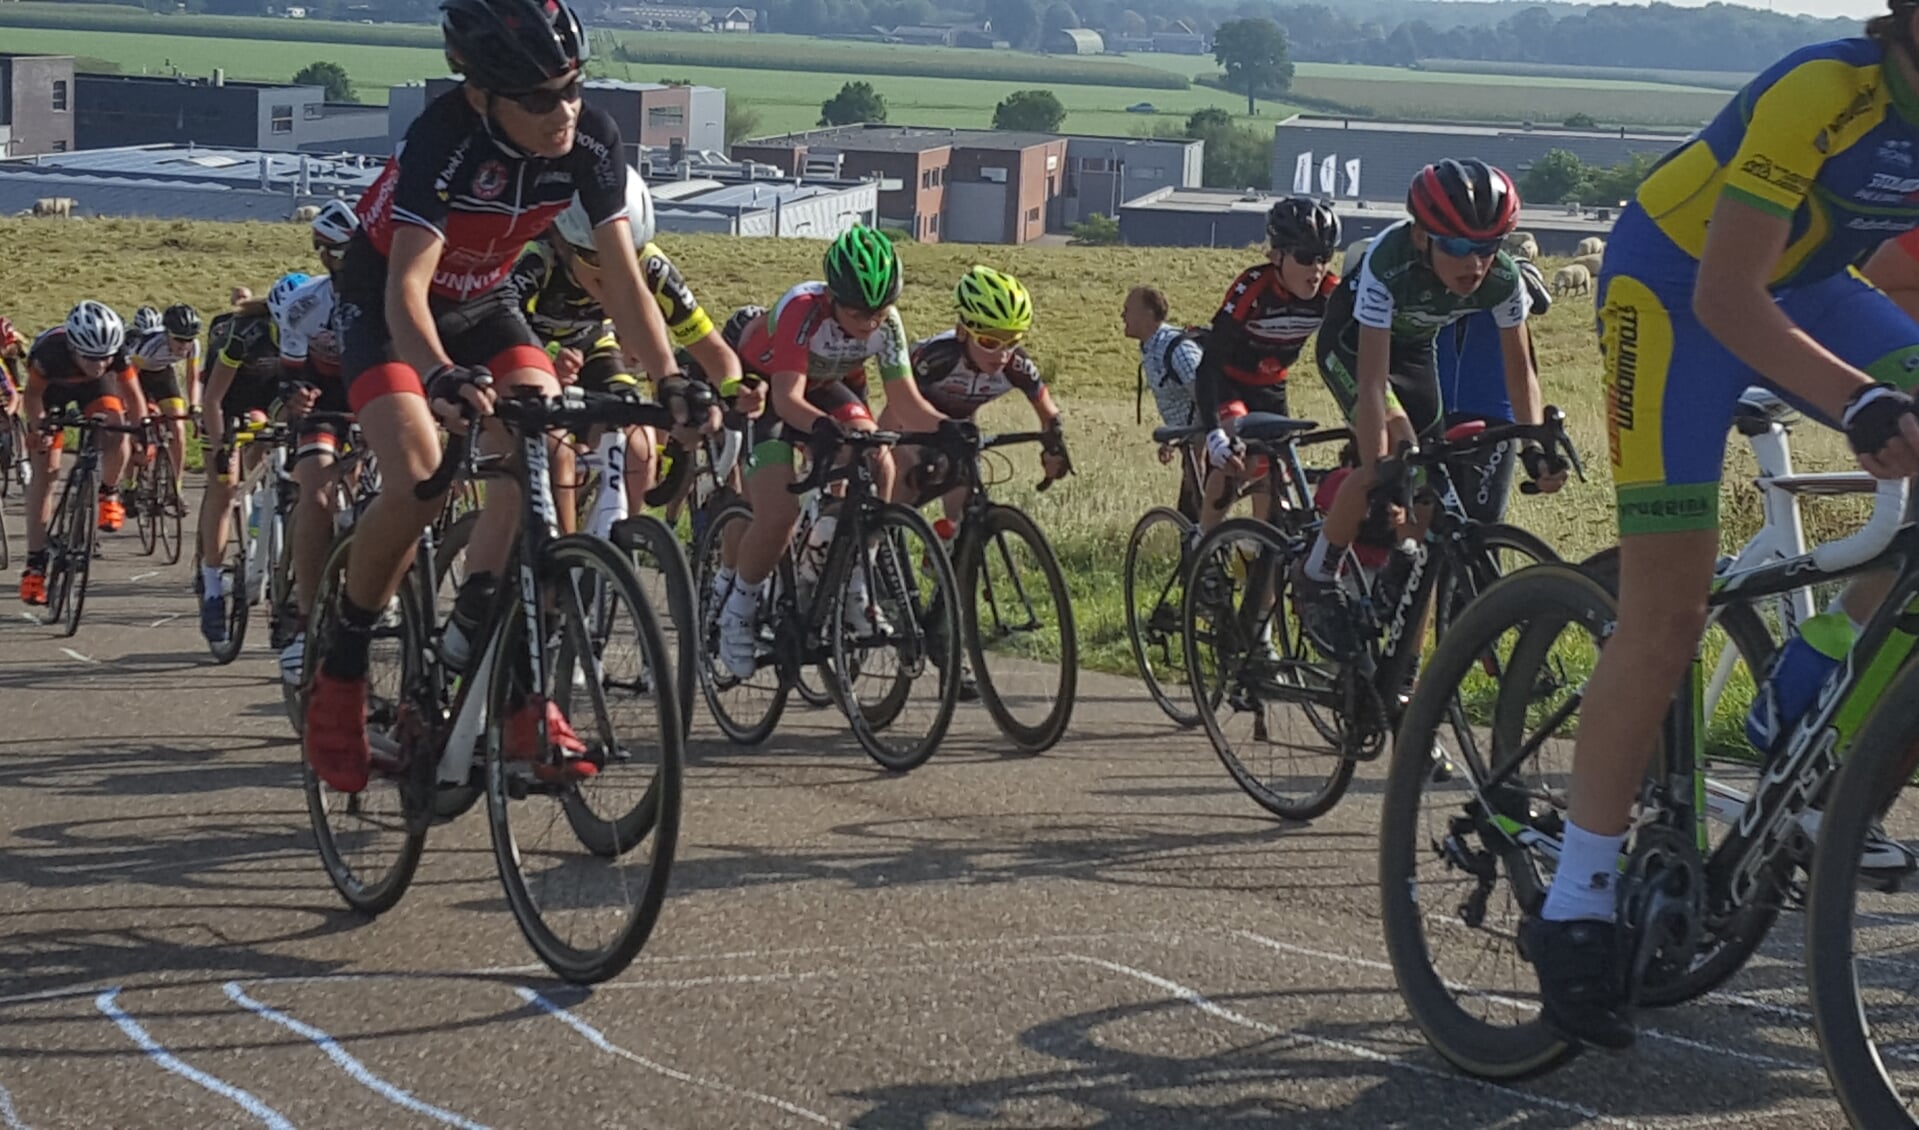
{"type": "Point", "coordinates": [1259, 331]}
{"type": "Point", "coordinates": [82, 363]}
{"type": "Point", "coordinates": [13, 362]}
{"type": "Point", "coordinates": [426, 328]}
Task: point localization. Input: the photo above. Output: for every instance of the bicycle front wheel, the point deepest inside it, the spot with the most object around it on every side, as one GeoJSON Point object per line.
{"type": "Point", "coordinates": [1155, 587]}
{"type": "Point", "coordinates": [233, 586]}
{"type": "Point", "coordinates": [661, 567]}
{"type": "Point", "coordinates": [586, 912]}
{"type": "Point", "coordinates": [82, 531]}
{"type": "Point", "coordinates": [746, 709]}
{"type": "Point", "coordinates": [1862, 937]}
{"type": "Point", "coordinates": [896, 636]}
{"type": "Point", "coordinates": [170, 512]}
{"type": "Point", "coordinates": [1019, 629]}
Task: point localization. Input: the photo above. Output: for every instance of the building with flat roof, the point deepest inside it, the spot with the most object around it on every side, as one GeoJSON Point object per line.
{"type": "Point", "coordinates": [188, 182]}
{"type": "Point", "coordinates": [1390, 153]}
{"type": "Point", "coordinates": [1215, 217]}
{"type": "Point", "coordinates": [36, 104]}
{"type": "Point", "coordinates": [940, 185]}
{"type": "Point", "coordinates": [783, 208]}
{"type": "Point", "coordinates": [648, 113]}
{"type": "Point", "coordinates": [115, 111]}
{"type": "Point", "coordinates": [1103, 173]}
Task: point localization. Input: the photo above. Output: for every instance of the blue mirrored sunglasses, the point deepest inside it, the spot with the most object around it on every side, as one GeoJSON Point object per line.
{"type": "Point", "coordinates": [1459, 247]}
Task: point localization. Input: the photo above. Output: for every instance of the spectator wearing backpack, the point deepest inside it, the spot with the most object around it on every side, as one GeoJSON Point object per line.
{"type": "Point", "coordinates": [1260, 330]}
{"type": "Point", "coordinates": [1169, 358]}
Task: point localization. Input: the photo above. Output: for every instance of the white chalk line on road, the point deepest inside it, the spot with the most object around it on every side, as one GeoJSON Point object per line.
{"type": "Point", "coordinates": [8, 1113]}
{"type": "Point", "coordinates": [157, 1051]}
{"type": "Point", "coordinates": [166, 619]}
{"type": "Point", "coordinates": [1514, 1002]}
{"type": "Point", "coordinates": [347, 1062]}
{"type": "Point", "coordinates": [72, 654]}
{"type": "Point", "coordinates": [598, 1039]}
{"type": "Point", "coordinates": [145, 575]}
{"type": "Point", "coordinates": [1197, 1000]}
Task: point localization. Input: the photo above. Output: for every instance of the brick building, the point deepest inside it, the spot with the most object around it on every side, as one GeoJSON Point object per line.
{"type": "Point", "coordinates": [939, 185]}
{"type": "Point", "coordinates": [648, 113]}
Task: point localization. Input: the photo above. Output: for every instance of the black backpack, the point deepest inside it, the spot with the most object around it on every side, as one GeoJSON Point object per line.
{"type": "Point", "coordinates": [1189, 333]}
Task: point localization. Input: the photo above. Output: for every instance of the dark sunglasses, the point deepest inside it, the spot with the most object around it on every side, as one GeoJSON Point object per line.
{"type": "Point", "coordinates": [1459, 247]}
{"type": "Point", "coordinates": [546, 101]}
{"type": "Point", "coordinates": [1311, 258]}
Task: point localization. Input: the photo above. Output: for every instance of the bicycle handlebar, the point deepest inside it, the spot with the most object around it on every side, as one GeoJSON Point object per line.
{"type": "Point", "coordinates": [1871, 539]}
{"type": "Point", "coordinates": [824, 471]}
{"type": "Point", "coordinates": [1395, 473]}
{"type": "Point", "coordinates": [67, 418]}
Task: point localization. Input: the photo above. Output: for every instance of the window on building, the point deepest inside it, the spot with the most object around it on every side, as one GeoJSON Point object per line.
{"type": "Point", "coordinates": [60, 147]}
{"type": "Point", "coordinates": [59, 94]}
{"type": "Point", "coordinates": [996, 175]}
{"type": "Point", "coordinates": [665, 117]}
{"type": "Point", "coordinates": [282, 119]}
{"type": "Point", "coordinates": [315, 111]}
{"type": "Point", "coordinates": [1032, 215]}
{"type": "Point", "coordinates": [934, 225]}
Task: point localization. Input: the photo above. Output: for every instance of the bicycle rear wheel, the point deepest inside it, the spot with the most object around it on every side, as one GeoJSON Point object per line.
{"type": "Point", "coordinates": [1861, 940]}
{"type": "Point", "coordinates": [1019, 622]}
{"type": "Point", "coordinates": [233, 584]}
{"type": "Point", "coordinates": [170, 519]}
{"type": "Point", "coordinates": [748, 709]}
{"type": "Point", "coordinates": [912, 631]}
{"type": "Point", "coordinates": [370, 841]}
{"type": "Point", "coordinates": [1263, 700]}
{"type": "Point", "coordinates": [661, 567]}
{"type": "Point", "coordinates": [588, 915]}
{"type": "Point", "coordinates": [1155, 587]}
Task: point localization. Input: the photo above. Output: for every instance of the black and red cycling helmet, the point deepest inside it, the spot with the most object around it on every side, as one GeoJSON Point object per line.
{"type": "Point", "coordinates": [512, 46]}
{"type": "Point", "coordinates": [1464, 199]}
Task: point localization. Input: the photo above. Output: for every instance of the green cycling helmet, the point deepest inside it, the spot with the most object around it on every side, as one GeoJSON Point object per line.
{"type": "Point", "coordinates": [862, 269]}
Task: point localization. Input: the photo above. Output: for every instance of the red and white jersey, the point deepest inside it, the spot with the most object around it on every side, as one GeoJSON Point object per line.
{"type": "Point", "coordinates": [800, 335]}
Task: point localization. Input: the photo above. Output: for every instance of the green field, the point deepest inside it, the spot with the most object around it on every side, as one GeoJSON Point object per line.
{"type": "Point", "coordinates": [1711, 80]}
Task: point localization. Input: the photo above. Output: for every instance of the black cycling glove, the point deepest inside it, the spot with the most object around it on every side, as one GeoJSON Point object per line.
{"type": "Point", "coordinates": [1872, 417]}
{"type": "Point", "coordinates": [445, 382]}
{"type": "Point", "coordinates": [1540, 463]}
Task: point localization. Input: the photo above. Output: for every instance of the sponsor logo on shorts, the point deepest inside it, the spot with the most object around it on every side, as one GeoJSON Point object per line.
{"type": "Point", "coordinates": [1665, 510]}
{"type": "Point", "coordinates": [1624, 364]}
{"type": "Point", "coordinates": [1862, 223]}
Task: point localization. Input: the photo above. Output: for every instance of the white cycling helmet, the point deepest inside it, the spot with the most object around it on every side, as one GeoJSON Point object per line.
{"type": "Point", "coordinates": [146, 322]}
{"type": "Point", "coordinates": [94, 330]}
{"type": "Point", "coordinates": [577, 230]}
{"type": "Point", "coordinates": [336, 222]}
{"type": "Point", "coordinates": [282, 292]}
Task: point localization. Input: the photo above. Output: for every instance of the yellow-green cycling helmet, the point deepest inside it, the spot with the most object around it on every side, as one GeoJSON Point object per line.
{"type": "Point", "coordinates": [993, 300]}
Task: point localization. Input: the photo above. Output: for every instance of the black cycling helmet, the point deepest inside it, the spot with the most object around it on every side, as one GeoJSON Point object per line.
{"type": "Point", "coordinates": [182, 321]}
{"type": "Point", "coordinates": [510, 46]}
{"type": "Point", "coordinates": [1300, 223]}
{"type": "Point", "coordinates": [1467, 199]}
{"type": "Point", "coordinates": [735, 327]}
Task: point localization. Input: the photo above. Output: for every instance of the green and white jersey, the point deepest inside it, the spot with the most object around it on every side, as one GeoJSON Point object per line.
{"type": "Point", "coordinates": [1395, 290]}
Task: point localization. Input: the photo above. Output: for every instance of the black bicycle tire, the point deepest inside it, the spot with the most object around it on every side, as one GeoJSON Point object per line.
{"type": "Point", "coordinates": [238, 611]}
{"type": "Point", "coordinates": [82, 516]}
{"type": "Point", "coordinates": [172, 515]}
{"type": "Point", "coordinates": [643, 532]}
{"type": "Point", "coordinates": [59, 575]}
{"type": "Point", "coordinates": [574, 965]}
{"type": "Point", "coordinates": [146, 508]}
{"type": "Point", "coordinates": [369, 899]}
{"type": "Point", "coordinates": [1876, 767]}
{"type": "Point", "coordinates": [1342, 768]}
{"type": "Point", "coordinates": [707, 548]}
{"type": "Point", "coordinates": [1167, 703]}
{"type": "Point", "coordinates": [1511, 1053]}
{"type": "Point", "coordinates": [1748, 634]}
{"type": "Point", "coordinates": [1044, 736]}
{"type": "Point", "coordinates": [944, 601]}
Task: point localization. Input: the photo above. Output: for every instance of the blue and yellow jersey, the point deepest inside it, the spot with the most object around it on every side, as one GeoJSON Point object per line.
{"type": "Point", "coordinates": [1827, 137]}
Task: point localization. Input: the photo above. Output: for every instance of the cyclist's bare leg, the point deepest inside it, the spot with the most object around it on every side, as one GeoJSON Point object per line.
{"type": "Point", "coordinates": [642, 466]}
{"type": "Point", "coordinates": [178, 455]}
{"type": "Point", "coordinates": [46, 468]}
{"type": "Point", "coordinates": [116, 449]}
{"type": "Point", "coordinates": [405, 439]}
{"type": "Point", "coordinates": [776, 512]}
{"type": "Point", "coordinates": [566, 492]}
{"type": "Point", "coordinates": [1664, 579]}
{"type": "Point", "coordinates": [312, 525]}
{"type": "Point", "coordinates": [1213, 506]}
{"type": "Point", "coordinates": [216, 501]}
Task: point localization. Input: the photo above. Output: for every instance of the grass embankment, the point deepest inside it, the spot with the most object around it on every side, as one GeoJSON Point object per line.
{"type": "Point", "coordinates": [1077, 339]}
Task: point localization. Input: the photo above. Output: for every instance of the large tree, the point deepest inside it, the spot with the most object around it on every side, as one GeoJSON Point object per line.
{"type": "Point", "coordinates": [1253, 54]}
{"type": "Point", "coordinates": [1031, 111]}
{"type": "Point", "coordinates": [333, 76]}
{"type": "Point", "coordinates": [856, 102]}
{"type": "Point", "coordinates": [1559, 175]}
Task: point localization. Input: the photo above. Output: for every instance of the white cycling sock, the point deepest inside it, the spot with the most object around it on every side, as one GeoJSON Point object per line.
{"type": "Point", "coordinates": [1586, 884]}
{"type": "Point", "coordinates": [723, 582]}
{"type": "Point", "coordinates": [1322, 562]}
{"type": "Point", "coordinates": [745, 601]}
{"type": "Point", "coordinates": [210, 579]}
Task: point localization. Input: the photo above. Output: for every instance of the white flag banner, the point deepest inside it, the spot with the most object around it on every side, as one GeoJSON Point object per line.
{"type": "Point", "coordinates": [1303, 173]}
{"type": "Point", "coordinates": [1352, 177]}
{"type": "Point", "coordinates": [1328, 175]}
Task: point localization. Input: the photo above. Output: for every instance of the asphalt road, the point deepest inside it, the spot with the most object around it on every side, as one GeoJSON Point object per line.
{"type": "Point", "coordinates": [1107, 935]}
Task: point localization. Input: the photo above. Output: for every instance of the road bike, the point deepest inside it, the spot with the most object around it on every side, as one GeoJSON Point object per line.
{"type": "Point", "coordinates": [1290, 722]}
{"type": "Point", "coordinates": [1015, 608]}
{"type": "Point", "coordinates": [152, 495]}
{"type": "Point", "coordinates": [569, 630]}
{"type": "Point", "coordinates": [72, 534]}
{"type": "Point", "coordinates": [256, 529]}
{"type": "Point", "coordinates": [875, 617]}
{"type": "Point", "coordinates": [1707, 870]}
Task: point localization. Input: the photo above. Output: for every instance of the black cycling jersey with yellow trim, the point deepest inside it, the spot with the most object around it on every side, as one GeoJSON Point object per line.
{"type": "Point", "coordinates": [1827, 137]}
{"type": "Point", "coordinates": [561, 311]}
{"type": "Point", "coordinates": [247, 343]}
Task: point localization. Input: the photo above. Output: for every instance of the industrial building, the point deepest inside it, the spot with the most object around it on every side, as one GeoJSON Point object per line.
{"type": "Point", "coordinates": [1364, 158]}
{"type": "Point", "coordinates": [113, 111]}
{"type": "Point", "coordinates": [188, 182]}
{"type": "Point", "coordinates": [1213, 217]}
{"type": "Point", "coordinates": [802, 210]}
{"type": "Point", "coordinates": [1102, 173]}
{"type": "Point", "coordinates": [36, 104]}
{"type": "Point", "coordinates": [648, 113]}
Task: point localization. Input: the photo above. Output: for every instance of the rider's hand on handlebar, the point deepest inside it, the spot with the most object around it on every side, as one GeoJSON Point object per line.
{"type": "Point", "coordinates": [459, 392]}
{"type": "Point", "coordinates": [1225, 453]}
{"type": "Point", "coordinates": [1883, 431]}
{"type": "Point", "coordinates": [751, 399]}
{"type": "Point", "coordinates": [567, 365]}
{"type": "Point", "coordinates": [1546, 470]}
